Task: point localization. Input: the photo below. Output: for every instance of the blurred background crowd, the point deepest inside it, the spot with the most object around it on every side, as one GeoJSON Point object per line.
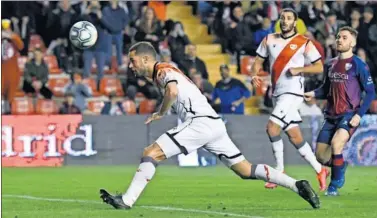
{"type": "Point", "coordinates": [214, 43]}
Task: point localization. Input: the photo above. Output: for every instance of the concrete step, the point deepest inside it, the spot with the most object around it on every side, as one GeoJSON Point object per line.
{"type": "Point", "coordinates": [208, 48]}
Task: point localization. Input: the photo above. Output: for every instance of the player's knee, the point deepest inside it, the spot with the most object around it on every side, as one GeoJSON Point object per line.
{"type": "Point", "coordinates": [154, 151]}
{"type": "Point", "coordinates": [273, 129]}
{"type": "Point", "coordinates": [337, 144]}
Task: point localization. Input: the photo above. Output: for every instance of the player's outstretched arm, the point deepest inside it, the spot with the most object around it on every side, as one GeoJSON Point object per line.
{"type": "Point", "coordinates": [323, 90]}
{"type": "Point", "coordinates": [171, 92]}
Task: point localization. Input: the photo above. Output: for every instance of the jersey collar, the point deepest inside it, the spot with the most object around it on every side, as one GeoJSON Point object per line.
{"type": "Point", "coordinates": [284, 37]}
{"type": "Point", "coordinates": [154, 71]}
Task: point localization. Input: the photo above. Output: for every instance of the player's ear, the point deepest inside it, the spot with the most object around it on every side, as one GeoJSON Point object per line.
{"type": "Point", "coordinates": [353, 43]}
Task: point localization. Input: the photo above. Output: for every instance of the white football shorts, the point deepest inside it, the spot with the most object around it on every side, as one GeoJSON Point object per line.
{"type": "Point", "coordinates": [204, 131]}
{"type": "Point", "coordinates": [286, 110]}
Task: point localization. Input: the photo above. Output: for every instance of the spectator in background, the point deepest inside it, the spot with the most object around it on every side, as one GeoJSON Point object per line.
{"type": "Point", "coordinates": [317, 11]}
{"type": "Point", "coordinates": [140, 84]}
{"type": "Point", "coordinates": [177, 41]}
{"type": "Point", "coordinates": [191, 60]}
{"type": "Point", "coordinates": [232, 93]}
{"type": "Point", "coordinates": [11, 44]}
{"type": "Point", "coordinates": [149, 29]}
{"type": "Point", "coordinates": [204, 86]}
{"type": "Point", "coordinates": [93, 14]}
{"type": "Point", "coordinates": [113, 107]}
{"type": "Point", "coordinates": [59, 23]}
{"type": "Point", "coordinates": [326, 32]}
{"type": "Point", "coordinates": [263, 32]}
{"type": "Point", "coordinates": [372, 66]}
{"type": "Point", "coordinates": [36, 76]}
{"type": "Point", "coordinates": [68, 106]}
{"type": "Point", "coordinates": [166, 57]}
{"type": "Point", "coordinates": [364, 27]}
{"type": "Point", "coordinates": [354, 22]}
{"type": "Point", "coordinates": [301, 9]}
{"type": "Point", "coordinates": [116, 20]}
{"type": "Point", "coordinates": [79, 90]}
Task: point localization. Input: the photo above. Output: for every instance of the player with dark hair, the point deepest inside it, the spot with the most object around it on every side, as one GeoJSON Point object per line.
{"type": "Point", "coordinates": [201, 127]}
{"type": "Point", "coordinates": [346, 78]}
{"type": "Point", "coordinates": [288, 52]}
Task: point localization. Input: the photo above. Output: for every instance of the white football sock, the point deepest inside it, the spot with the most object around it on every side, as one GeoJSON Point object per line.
{"type": "Point", "coordinates": [269, 174]}
{"type": "Point", "coordinates": [142, 176]}
{"type": "Point", "coordinates": [307, 153]}
{"type": "Point", "coordinates": [278, 149]}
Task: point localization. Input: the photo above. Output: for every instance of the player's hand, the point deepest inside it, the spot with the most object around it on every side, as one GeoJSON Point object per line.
{"type": "Point", "coordinates": [257, 81]}
{"type": "Point", "coordinates": [355, 121]}
{"type": "Point", "coordinates": [294, 71]}
{"type": "Point", "coordinates": [308, 96]}
{"type": "Point", "coordinates": [155, 116]}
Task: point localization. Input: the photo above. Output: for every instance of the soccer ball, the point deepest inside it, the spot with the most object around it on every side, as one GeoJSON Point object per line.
{"type": "Point", "coordinates": [83, 34]}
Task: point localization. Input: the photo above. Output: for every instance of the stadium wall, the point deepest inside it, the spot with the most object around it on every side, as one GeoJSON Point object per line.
{"type": "Point", "coordinates": [58, 140]}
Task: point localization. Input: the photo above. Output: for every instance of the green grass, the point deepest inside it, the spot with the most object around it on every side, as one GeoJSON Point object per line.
{"type": "Point", "coordinates": [209, 190]}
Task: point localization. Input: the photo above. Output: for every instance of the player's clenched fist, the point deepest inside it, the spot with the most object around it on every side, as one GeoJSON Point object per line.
{"type": "Point", "coordinates": [155, 116]}
{"type": "Point", "coordinates": [355, 121]}
{"type": "Point", "coordinates": [308, 96]}
{"type": "Point", "coordinates": [256, 80]}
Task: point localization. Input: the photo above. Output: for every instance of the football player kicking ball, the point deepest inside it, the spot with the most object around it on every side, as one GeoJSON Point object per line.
{"type": "Point", "coordinates": [287, 53]}
{"type": "Point", "coordinates": [346, 78]}
{"type": "Point", "coordinates": [201, 127]}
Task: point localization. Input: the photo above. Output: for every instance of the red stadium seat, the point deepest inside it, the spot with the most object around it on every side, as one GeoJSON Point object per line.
{"type": "Point", "coordinates": [22, 106]}
{"type": "Point", "coordinates": [57, 84]}
{"type": "Point", "coordinates": [129, 106]}
{"type": "Point", "coordinates": [147, 106]}
{"type": "Point", "coordinates": [46, 107]}
{"type": "Point", "coordinates": [52, 64]}
{"type": "Point", "coordinates": [92, 83]}
{"type": "Point", "coordinates": [111, 84]}
{"type": "Point", "coordinates": [21, 63]}
{"type": "Point", "coordinates": [36, 42]}
{"type": "Point", "coordinates": [95, 106]}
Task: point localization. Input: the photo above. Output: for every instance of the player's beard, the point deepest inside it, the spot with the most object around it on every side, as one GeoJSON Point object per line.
{"type": "Point", "coordinates": [290, 28]}
{"type": "Point", "coordinates": [343, 48]}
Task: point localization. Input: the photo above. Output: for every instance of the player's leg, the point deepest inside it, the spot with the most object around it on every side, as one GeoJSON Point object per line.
{"type": "Point", "coordinates": [305, 150]}
{"type": "Point", "coordinates": [323, 154]}
{"type": "Point", "coordinates": [323, 150]}
{"type": "Point", "coordinates": [152, 155]}
{"type": "Point", "coordinates": [230, 155]}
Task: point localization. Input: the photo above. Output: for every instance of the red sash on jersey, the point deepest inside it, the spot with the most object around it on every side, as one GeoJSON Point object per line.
{"type": "Point", "coordinates": [285, 56]}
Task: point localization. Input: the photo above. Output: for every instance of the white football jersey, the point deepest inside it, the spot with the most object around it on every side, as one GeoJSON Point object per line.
{"type": "Point", "coordinates": [190, 101]}
{"type": "Point", "coordinates": [286, 53]}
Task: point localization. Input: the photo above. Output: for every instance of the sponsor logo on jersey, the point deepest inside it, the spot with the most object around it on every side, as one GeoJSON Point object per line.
{"type": "Point", "coordinates": [338, 77]}
{"type": "Point", "coordinates": [293, 46]}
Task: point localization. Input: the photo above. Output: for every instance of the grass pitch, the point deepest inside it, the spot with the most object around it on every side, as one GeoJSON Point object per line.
{"type": "Point", "coordinates": [177, 192]}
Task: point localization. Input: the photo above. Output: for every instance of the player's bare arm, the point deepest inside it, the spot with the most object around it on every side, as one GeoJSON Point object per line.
{"type": "Point", "coordinates": [315, 68]}
{"type": "Point", "coordinates": [171, 92]}
{"type": "Point", "coordinates": [255, 69]}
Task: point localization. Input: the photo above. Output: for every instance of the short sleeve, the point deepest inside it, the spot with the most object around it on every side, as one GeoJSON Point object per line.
{"type": "Point", "coordinates": [164, 77]}
{"type": "Point", "coordinates": [262, 50]}
{"type": "Point", "coordinates": [311, 53]}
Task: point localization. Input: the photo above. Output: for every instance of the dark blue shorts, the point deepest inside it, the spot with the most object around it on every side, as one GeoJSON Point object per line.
{"type": "Point", "coordinates": [331, 125]}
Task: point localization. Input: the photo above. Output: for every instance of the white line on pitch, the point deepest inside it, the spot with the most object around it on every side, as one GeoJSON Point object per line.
{"type": "Point", "coordinates": [147, 207]}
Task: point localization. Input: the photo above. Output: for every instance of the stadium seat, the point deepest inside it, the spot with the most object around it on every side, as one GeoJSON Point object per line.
{"type": "Point", "coordinates": [91, 82]}
{"type": "Point", "coordinates": [129, 107]}
{"type": "Point", "coordinates": [22, 106]}
{"type": "Point", "coordinates": [19, 94]}
{"type": "Point", "coordinates": [113, 68]}
{"type": "Point", "coordinates": [21, 63]}
{"type": "Point", "coordinates": [95, 106]}
{"type": "Point", "coordinates": [52, 63]}
{"type": "Point", "coordinates": [46, 107]}
{"type": "Point", "coordinates": [147, 106]}
{"type": "Point", "coordinates": [36, 42]}
{"type": "Point", "coordinates": [56, 85]}
{"type": "Point", "coordinates": [109, 85]}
